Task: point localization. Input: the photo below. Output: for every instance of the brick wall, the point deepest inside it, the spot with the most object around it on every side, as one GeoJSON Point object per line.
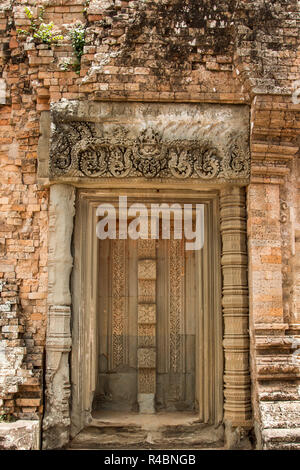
{"type": "Point", "coordinates": [175, 50]}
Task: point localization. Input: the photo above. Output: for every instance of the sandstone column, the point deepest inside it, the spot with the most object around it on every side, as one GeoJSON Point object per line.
{"type": "Point", "coordinates": [56, 422]}
{"type": "Point", "coordinates": [237, 406]}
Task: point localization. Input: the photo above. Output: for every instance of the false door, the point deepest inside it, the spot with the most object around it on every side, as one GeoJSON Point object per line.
{"type": "Point", "coordinates": [147, 325]}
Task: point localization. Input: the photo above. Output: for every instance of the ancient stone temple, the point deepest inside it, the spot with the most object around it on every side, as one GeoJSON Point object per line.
{"type": "Point", "coordinates": [137, 341]}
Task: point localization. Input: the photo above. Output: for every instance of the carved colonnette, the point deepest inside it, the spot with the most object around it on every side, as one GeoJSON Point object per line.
{"type": "Point", "coordinates": [84, 282]}
{"type": "Point", "coordinates": [234, 262]}
{"type": "Point", "coordinates": [56, 421]}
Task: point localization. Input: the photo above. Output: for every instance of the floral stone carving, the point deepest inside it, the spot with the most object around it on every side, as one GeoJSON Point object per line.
{"type": "Point", "coordinates": [81, 149]}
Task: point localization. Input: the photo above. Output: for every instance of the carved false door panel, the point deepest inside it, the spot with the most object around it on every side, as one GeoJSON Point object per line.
{"type": "Point", "coordinates": [117, 320]}
{"type": "Point", "coordinates": [177, 307]}
{"type": "Point", "coordinates": [125, 336]}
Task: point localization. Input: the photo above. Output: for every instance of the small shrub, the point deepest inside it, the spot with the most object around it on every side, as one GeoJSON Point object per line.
{"type": "Point", "coordinates": [85, 9]}
{"type": "Point", "coordinates": [7, 418]}
{"type": "Point", "coordinates": [77, 36]}
{"type": "Point", "coordinates": [40, 31]}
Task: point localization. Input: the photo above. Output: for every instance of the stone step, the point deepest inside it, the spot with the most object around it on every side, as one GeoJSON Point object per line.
{"type": "Point", "coordinates": [280, 414]}
{"type": "Point", "coordinates": [150, 432]}
{"type": "Point", "coordinates": [286, 439]}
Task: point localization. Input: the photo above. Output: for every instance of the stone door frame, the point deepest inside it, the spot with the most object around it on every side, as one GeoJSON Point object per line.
{"type": "Point", "coordinates": [104, 146]}
{"type": "Point", "coordinates": [73, 241]}
{"type": "Point", "coordinates": [84, 287]}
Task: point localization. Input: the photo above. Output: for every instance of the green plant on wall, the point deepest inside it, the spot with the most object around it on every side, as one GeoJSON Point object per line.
{"type": "Point", "coordinates": [41, 32]}
{"type": "Point", "coordinates": [77, 36]}
{"type": "Point", "coordinates": [6, 418]}
{"type": "Point", "coordinates": [86, 6]}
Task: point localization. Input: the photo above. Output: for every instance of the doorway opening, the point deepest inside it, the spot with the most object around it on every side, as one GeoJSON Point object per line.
{"type": "Point", "coordinates": [147, 320]}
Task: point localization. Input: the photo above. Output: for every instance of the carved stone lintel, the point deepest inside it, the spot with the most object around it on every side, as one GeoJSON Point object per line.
{"type": "Point", "coordinates": [148, 156]}
{"type": "Point", "coordinates": [209, 146]}
{"type": "Point", "coordinates": [237, 396]}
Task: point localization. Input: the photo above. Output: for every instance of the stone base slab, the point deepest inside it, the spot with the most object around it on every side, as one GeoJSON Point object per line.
{"type": "Point", "coordinates": [146, 403]}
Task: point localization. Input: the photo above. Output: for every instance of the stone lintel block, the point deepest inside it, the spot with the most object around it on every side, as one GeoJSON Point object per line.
{"type": "Point", "coordinates": [114, 119]}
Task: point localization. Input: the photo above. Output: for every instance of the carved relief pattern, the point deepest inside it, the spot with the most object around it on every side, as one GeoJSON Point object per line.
{"type": "Point", "coordinates": [146, 336]}
{"type": "Point", "coordinates": [119, 303]}
{"type": "Point", "coordinates": [146, 358]}
{"type": "Point", "coordinates": [176, 293]}
{"type": "Point", "coordinates": [147, 290]}
{"type": "Point", "coordinates": [146, 380]}
{"type": "Point", "coordinates": [78, 150]}
{"type": "Point", "coordinates": [146, 249]}
{"type": "Point", "coordinates": [286, 253]}
{"type": "Point", "coordinates": [58, 344]}
{"type": "Point", "coordinates": [147, 269]}
{"type": "Point", "coordinates": [147, 313]}
{"type": "Point", "coordinates": [146, 318]}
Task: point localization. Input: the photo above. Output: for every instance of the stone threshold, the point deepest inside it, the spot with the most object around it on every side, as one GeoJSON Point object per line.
{"type": "Point", "coordinates": [163, 430]}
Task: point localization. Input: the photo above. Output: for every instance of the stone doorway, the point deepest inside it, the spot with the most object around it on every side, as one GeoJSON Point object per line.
{"type": "Point", "coordinates": [144, 318]}
{"type": "Point", "coordinates": [177, 152]}
{"type": "Point", "coordinates": [224, 230]}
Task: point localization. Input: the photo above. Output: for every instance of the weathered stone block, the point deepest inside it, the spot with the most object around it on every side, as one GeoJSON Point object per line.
{"type": "Point", "coordinates": [2, 91]}
{"type": "Point", "coordinates": [20, 435]}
